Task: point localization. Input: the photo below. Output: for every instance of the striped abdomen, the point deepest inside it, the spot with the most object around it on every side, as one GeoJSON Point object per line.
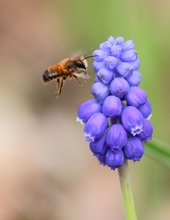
{"type": "Point", "coordinates": [49, 75]}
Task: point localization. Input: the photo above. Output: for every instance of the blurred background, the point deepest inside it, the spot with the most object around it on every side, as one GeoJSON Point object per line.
{"type": "Point", "coordinates": [47, 171]}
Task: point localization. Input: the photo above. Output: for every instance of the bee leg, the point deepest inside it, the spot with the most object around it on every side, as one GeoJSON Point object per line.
{"type": "Point", "coordinates": [58, 85]}
{"type": "Point", "coordinates": [76, 79]}
{"type": "Point", "coordinates": [61, 86]}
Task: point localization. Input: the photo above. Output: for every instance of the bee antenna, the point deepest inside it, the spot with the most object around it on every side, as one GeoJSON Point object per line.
{"type": "Point", "coordinates": [86, 57]}
{"type": "Point", "coordinates": [89, 51]}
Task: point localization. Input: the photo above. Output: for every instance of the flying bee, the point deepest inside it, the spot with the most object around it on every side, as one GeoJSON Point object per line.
{"type": "Point", "coordinates": [69, 68]}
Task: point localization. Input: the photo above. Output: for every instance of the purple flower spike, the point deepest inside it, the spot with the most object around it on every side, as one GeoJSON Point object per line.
{"type": "Point", "coordinates": [119, 87]}
{"type": "Point", "coordinates": [136, 96]}
{"type": "Point", "coordinates": [129, 56]}
{"type": "Point", "coordinates": [132, 120]}
{"type": "Point", "coordinates": [95, 127]}
{"type": "Point", "coordinates": [112, 106]}
{"type": "Point", "coordinates": [99, 55]}
{"type": "Point", "coordinates": [105, 75]}
{"type": "Point", "coordinates": [146, 134]}
{"type": "Point", "coordinates": [134, 149]}
{"type": "Point", "coordinates": [99, 146]}
{"type": "Point", "coordinates": [128, 45]}
{"type": "Point", "coordinates": [135, 78]}
{"type": "Point", "coordinates": [114, 159]}
{"type": "Point", "coordinates": [87, 109]}
{"type": "Point", "coordinates": [110, 62]}
{"type": "Point", "coordinates": [100, 91]}
{"type": "Point", "coordinates": [146, 110]}
{"type": "Point", "coordinates": [116, 120]}
{"type": "Point", "coordinates": [116, 137]}
{"type": "Point", "coordinates": [124, 69]}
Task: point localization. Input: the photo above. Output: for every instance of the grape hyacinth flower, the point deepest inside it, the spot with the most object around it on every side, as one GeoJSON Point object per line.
{"type": "Point", "coordinates": [116, 121]}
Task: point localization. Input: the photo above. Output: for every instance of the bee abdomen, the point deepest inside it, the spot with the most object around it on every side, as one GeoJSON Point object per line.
{"type": "Point", "coordinates": [49, 75]}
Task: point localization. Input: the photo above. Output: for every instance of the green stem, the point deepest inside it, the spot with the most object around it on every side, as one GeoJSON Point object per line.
{"type": "Point", "coordinates": [129, 206]}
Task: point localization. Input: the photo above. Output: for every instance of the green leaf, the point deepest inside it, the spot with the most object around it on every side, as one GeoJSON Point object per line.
{"type": "Point", "coordinates": [159, 151]}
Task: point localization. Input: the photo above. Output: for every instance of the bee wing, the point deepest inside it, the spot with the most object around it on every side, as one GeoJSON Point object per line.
{"type": "Point", "coordinates": [78, 53]}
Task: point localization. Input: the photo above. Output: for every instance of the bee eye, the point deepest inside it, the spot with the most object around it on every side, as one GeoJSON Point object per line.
{"type": "Point", "coordinates": [80, 64]}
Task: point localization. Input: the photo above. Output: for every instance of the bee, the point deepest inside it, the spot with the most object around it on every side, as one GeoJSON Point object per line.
{"type": "Point", "coordinates": [69, 68]}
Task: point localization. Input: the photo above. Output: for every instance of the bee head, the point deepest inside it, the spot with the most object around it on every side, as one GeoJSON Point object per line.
{"type": "Point", "coordinates": [81, 65]}
{"type": "Point", "coordinates": [47, 76]}
{"type": "Point", "coordinates": [82, 62]}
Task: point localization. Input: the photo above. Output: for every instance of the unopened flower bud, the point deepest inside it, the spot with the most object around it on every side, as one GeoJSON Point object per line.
{"type": "Point", "coordinates": [97, 65]}
{"type": "Point", "coordinates": [134, 149]}
{"type": "Point", "coordinates": [95, 127]}
{"type": "Point", "coordinates": [135, 64]}
{"type": "Point", "coordinates": [99, 55]}
{"type": "Point", "coordinates": [116, 50]}
{"type": "Point", "coordinates": [87, 109]}
{"type": "Point", "coordinates": [134, 79]}
{"type": "Point", "coordinates": [112, 106]}
{"type": "Point", "coordinates": [105, 46]}
{"type": "Point", "coordinates": [111, 39]}
{"type": "Point", "coordinates": [116, 137]}
{"type": "Point", "coordinates": [128, 45]}
{"type": "Point", "coordinates": [105, 75]}
{"type": "Point", "coordinates": [132, 120]}
{"type": "Point", "coordinates": [119, 87]}
{"type": "Point", "coordinates": [129, 56]}
{"type": "Point", "coordinates": [119, 40]}
{"type": "Point", "coordinates": [124, 69]}
{"type": "Point", "coordinates": [99, 146]}
{"type": "Point", "coordinates": [147, 131]}
{"type": "Point", "coordinates": [114, 159]}
{"type": "Point", "coordinates": [100, 91]}
{"type": "Point", "coordinates": [136, 96]}
{"type": "Point", "coordinates": [146, 110]}
{"type": "Point", "coordinates": [110, 62]}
